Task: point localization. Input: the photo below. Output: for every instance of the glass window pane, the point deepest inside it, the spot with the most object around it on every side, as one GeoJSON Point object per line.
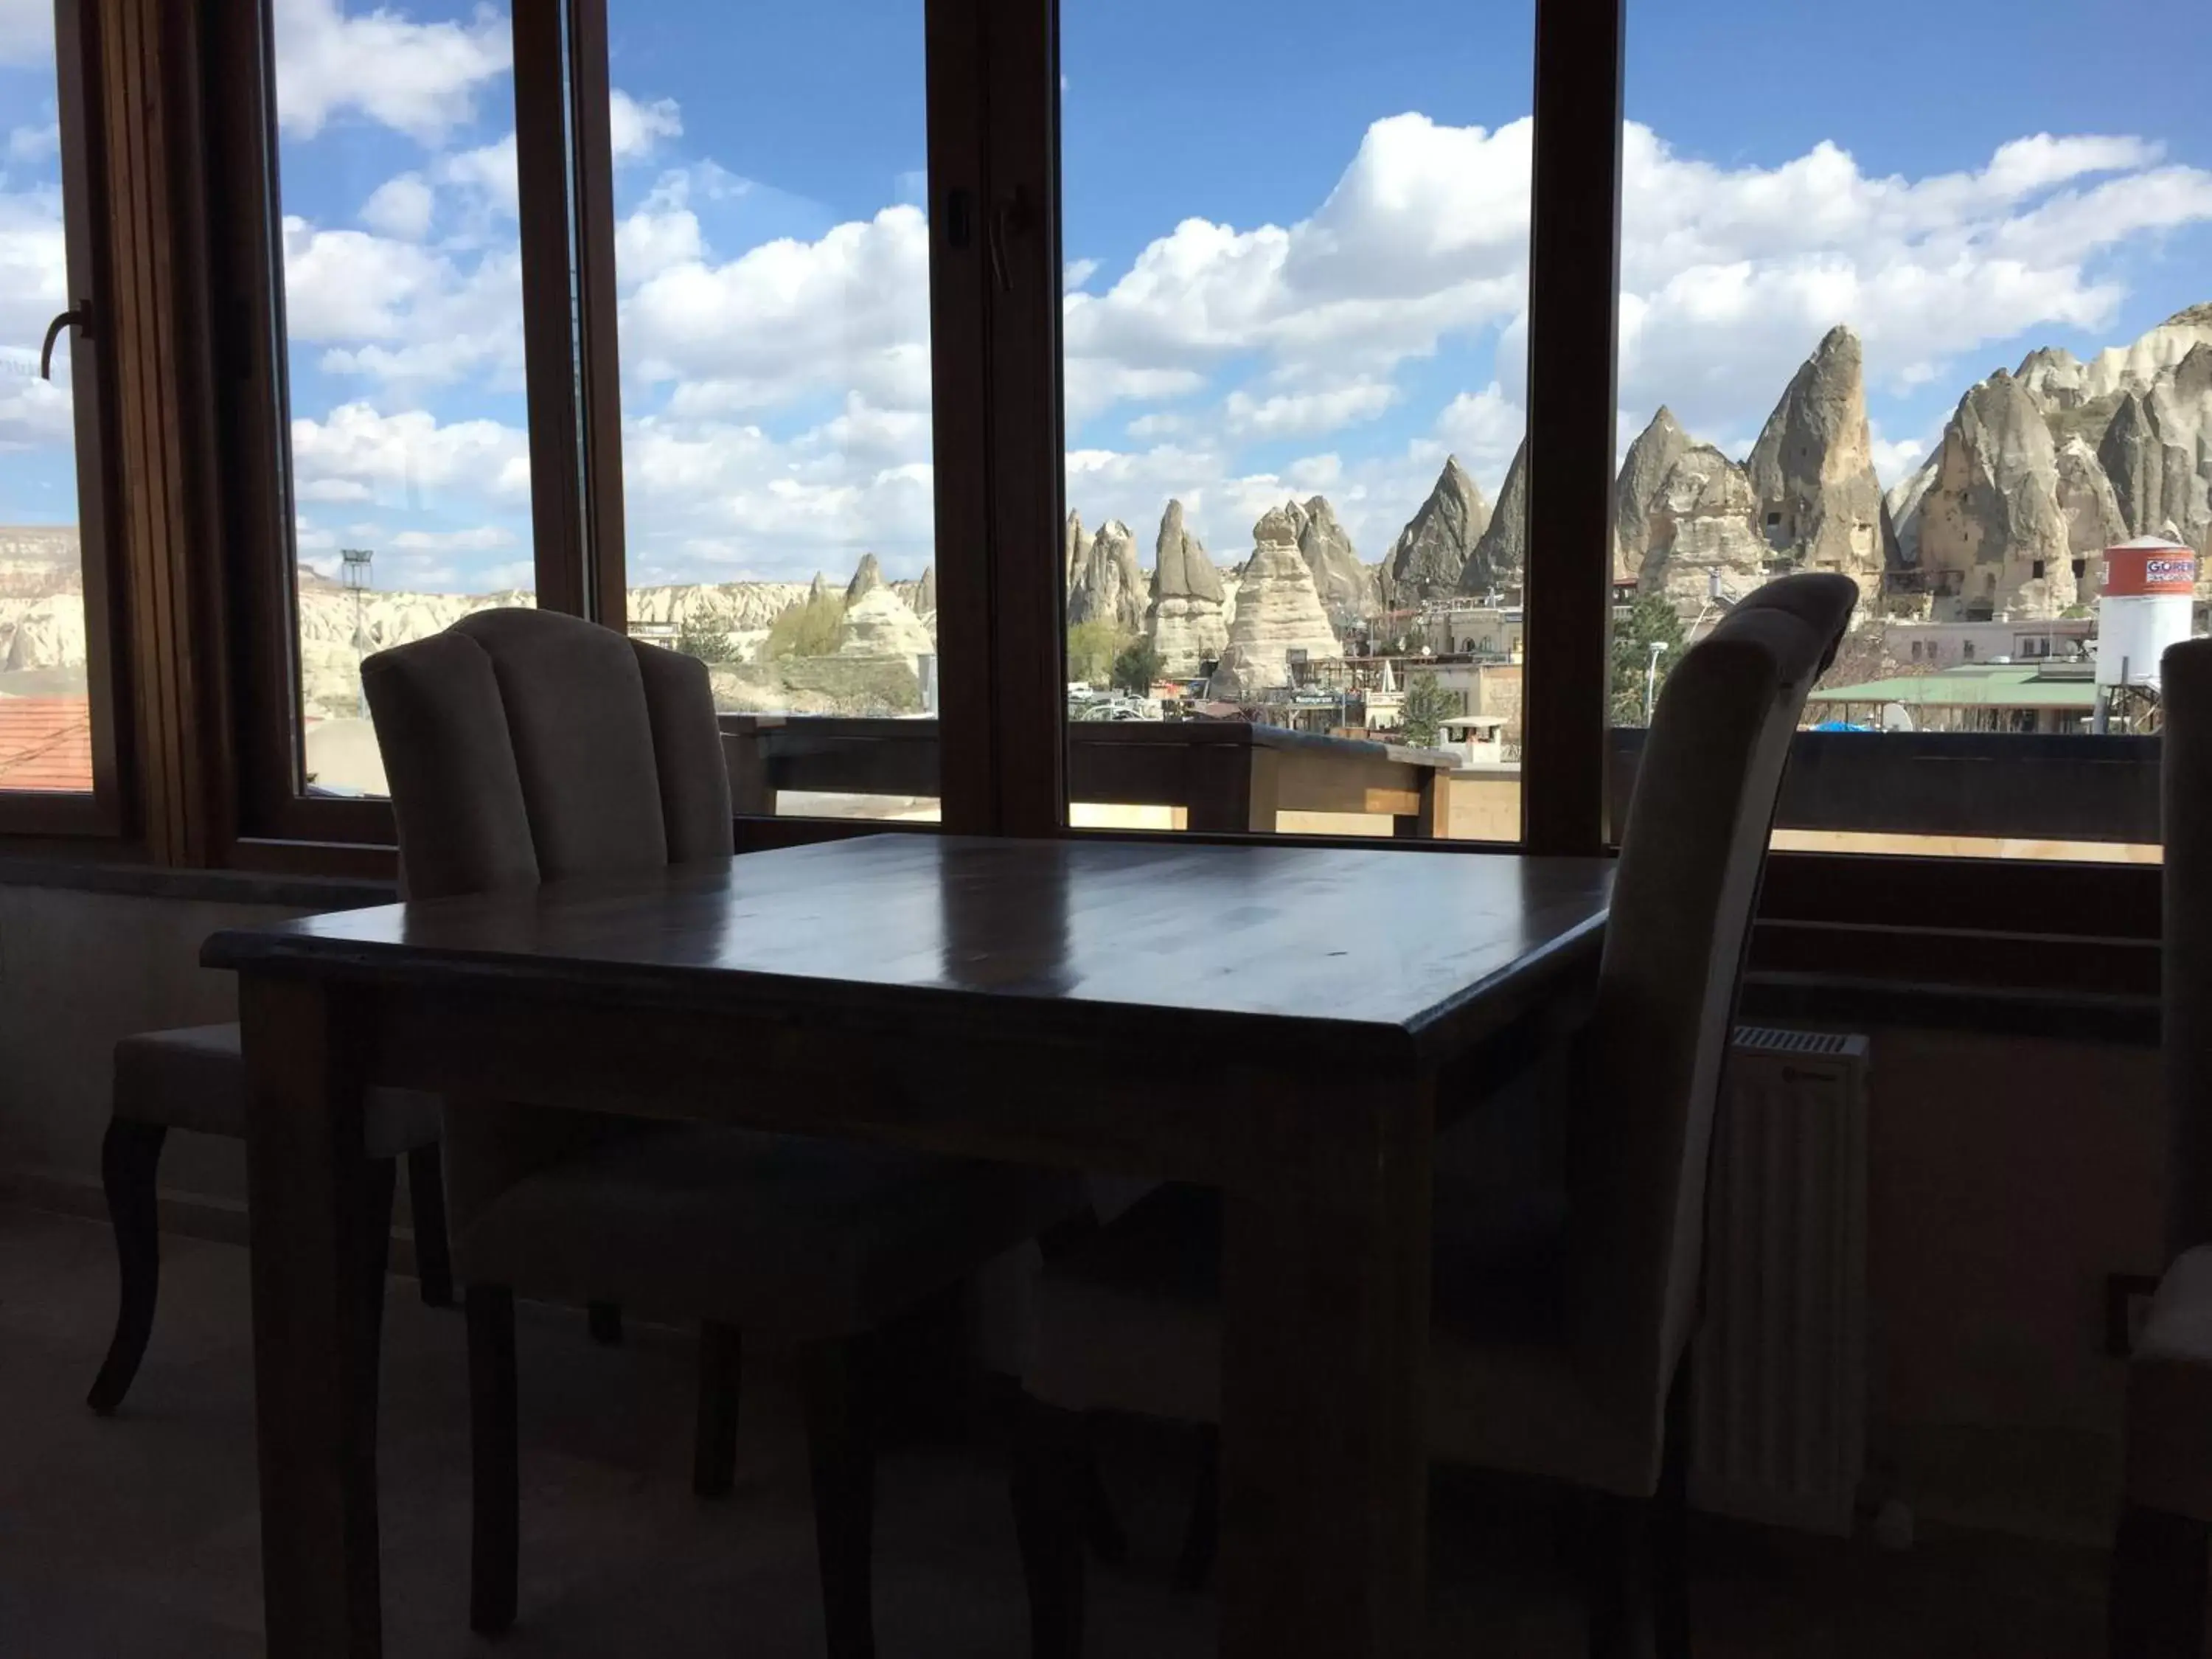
{"type": "Point", "coordinates": [403, 301]}
{"type": "Point", "coordinates": [772, 258]}
{"type": "Point", "coordinates": [1952, 341]}
{"type": "Point", "coordinates": [45, 714]}
{"type": "Point", "coordinates": [1296, 362]}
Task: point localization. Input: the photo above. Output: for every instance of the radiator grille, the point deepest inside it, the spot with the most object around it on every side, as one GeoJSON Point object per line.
{"type": "Point", "coordinates": [1779, 1425]}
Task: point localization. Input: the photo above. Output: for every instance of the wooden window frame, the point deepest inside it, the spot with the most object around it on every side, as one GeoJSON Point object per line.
{"type": "Point", "coordinates": [102, 510]}
{"type": "Point", "coordinates": [278, 824]}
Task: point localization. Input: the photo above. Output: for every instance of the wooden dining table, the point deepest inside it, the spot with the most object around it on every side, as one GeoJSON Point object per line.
{"type": "Point", "coordinates": [1291, 1025]}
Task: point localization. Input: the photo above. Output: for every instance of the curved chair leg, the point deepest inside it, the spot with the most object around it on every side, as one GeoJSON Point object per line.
{"type": "Point", "coordinates": [1195, 1565]}
{"type": "Point", "coordinates": [1050, 1456]}
{"type": "Point", "coordinates": [494, 1477]}
{"type": "Point", "coordinates": [841, 1453]}
{"type": "Point", "coordinates": [715, 1445]}
{"type": "Point", "coordinates": [130, 1157]}
{"type": "Point", "coordinates": [426, 1196]}
{"type": "Point", "coordinates": [2156, 1602]}
{"type": "Point", "coordinates": [605, 1323]}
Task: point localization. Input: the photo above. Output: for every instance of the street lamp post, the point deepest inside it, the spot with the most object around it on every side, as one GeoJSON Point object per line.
{"type": "Point", "coordinates": [1651, 677]}
{"type": "Point", "coordinates": [355, 573]}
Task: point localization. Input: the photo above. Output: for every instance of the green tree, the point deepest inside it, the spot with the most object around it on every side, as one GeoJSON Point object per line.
{"type": "Point", "coordinates": [808, 628]}
{"type": "Point", "coordinates": [1136, 666]}
{"type": "Point", "coordinates": [1428, 706]}
{"type": "Point", "coordinates": [1092, 647]}
{"type": "Point", "coordinates": [707, 644]}
{"type": "Point", "coordinates": [1651, 620]}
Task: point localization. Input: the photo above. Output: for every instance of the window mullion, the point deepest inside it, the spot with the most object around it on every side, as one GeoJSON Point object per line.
{"type": "Point", "coordinates": [1574, 279]}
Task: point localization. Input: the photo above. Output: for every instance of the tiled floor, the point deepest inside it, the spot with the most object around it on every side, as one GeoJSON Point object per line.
{"type": "Point", "coordinates": [137, 1536]}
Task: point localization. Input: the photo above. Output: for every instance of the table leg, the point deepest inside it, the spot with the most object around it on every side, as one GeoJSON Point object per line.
{"type": "Point", "coordinates": [1326, 1308]}
{"type": "Point", "coordinates": [314, 1340]}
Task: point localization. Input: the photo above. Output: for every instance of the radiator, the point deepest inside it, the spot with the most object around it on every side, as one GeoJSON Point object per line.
{"type": "Point", "coordinates": [1779, 1400]}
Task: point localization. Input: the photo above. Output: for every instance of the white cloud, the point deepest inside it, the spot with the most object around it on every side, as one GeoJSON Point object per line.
{"type": "Point", "coordinates": [402, 314]}
{"type": "Point", "coordinates": [410, 460]}
{"type": "Point", "coordinates": [35, 143]}
{"type": "Point", "coordinates": [27, 31]}
{"type": "Point", "coordinates": [720, 500]}
{"type": "Point", "coordinates": [482, 538]}
{"type": "Point", "coordinates": [487, 174]}
{"type": "Point", "coordinates": [790, 319]}
{"type": "Point", "coordinates": [423, 79]}
{"type": "Point", "coordinates": [636, 128]}
{"type": "Point", "coordinates": [400, 207]}
{"type": "Point", "coordinates": [1294, 414]}
{"type": "Point", "coordinates": [1483, 428]}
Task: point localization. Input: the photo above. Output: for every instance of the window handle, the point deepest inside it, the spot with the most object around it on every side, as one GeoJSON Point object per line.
{"type": "Point", "coordinates": [80, 315]}
{"type": "Point", "coordinates": [1012, 216]}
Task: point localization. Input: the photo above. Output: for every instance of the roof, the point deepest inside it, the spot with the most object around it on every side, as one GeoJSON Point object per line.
{"type": "Point", "coordinates": [1990, 686]}
{"type": "Point", "coordinates": [45, 743]}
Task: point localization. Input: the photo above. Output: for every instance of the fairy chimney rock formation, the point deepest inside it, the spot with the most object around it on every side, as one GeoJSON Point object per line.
{"type": "Point", "coordinates": [1702, 532]}
{"type": "Point", "coordinates": [1820, 502]}
{"type": "Point", "coordinates": [1501, 552]}
{"type": "Point", "coordinates": [1643, 476]}
{"type": "Point", "coordinates": [1993, 539]}
{"type": "Point", "coordinates": [1186, 619]}
{"type": "Point", "coordinates": [1346, 586]}
{"type": "Point", "coordinates": [1278, 611]}
{"type": "Point", "coordinates": [879, 623]}
{"type": "Point", "coordinates": [867, 577]}
{"type": "Point", "coordinates": [1431, 553]}
{"type": "Point", "coordinates": [1109, 585]}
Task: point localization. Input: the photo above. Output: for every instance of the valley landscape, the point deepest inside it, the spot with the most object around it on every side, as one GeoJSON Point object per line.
{"type": "Point", "coordinates": [2037, 470]}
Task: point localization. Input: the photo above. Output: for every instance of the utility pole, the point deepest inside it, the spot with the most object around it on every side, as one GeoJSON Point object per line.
{"type": "Point", "coordinates": [355, 573]}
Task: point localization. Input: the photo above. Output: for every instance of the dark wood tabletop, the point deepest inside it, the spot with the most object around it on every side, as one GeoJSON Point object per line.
{"type": "Point", "coordinates": [1321, 947]}
{"type": "Point", "coordinates": [1291, 1025]}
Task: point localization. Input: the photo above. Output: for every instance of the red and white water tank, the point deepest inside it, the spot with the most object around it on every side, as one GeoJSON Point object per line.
{"type": "Point", "coordinates": [2148, 599]}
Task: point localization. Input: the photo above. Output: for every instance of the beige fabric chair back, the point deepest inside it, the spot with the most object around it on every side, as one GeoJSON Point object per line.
{"type": "Point", "coordinates": [2186, 811]}
{"type": "Point", "coordinates": [1691, 858]}
{"type": "Point", "coordinates": [526, 746]}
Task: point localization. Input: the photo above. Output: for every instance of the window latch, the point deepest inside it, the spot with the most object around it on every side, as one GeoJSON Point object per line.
{"type": "Point", "coordinates": [1012, 214]}
{"type": "Point", "coordinates": [80, 315]}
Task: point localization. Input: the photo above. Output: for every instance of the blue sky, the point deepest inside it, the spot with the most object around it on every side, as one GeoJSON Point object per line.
{"type": "Point", "coordinates": [1295, 236]}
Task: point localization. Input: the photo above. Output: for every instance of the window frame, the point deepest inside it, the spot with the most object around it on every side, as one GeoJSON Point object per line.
{"type": "Point", "coordinates": [277, 823]}
{"type": "Point", "coordinates": [102, 813]}
{"type": "Point", "coordinates": [175, 637]}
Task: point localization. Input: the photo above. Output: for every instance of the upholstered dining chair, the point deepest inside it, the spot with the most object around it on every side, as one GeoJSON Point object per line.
{"type": "Point", "coordinates": [523, 747]}
{"type": "Point", "coordinates": [2159, 1552]}
{"type": "Point", "coordinates": [1559, 1329]}
{"type": "Point", "coordinates": [194, 1078]}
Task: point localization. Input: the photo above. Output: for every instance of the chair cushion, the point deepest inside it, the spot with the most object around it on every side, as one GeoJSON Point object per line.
{"type": "Point", "coordinates": [790, 1237]}
{"type": "Point", "coordinates": [2169, 1438]}
{"type": "Point", "coordinates": [195, 1079]}
{"type": "Point", "coordinates": [1130, 1322]}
